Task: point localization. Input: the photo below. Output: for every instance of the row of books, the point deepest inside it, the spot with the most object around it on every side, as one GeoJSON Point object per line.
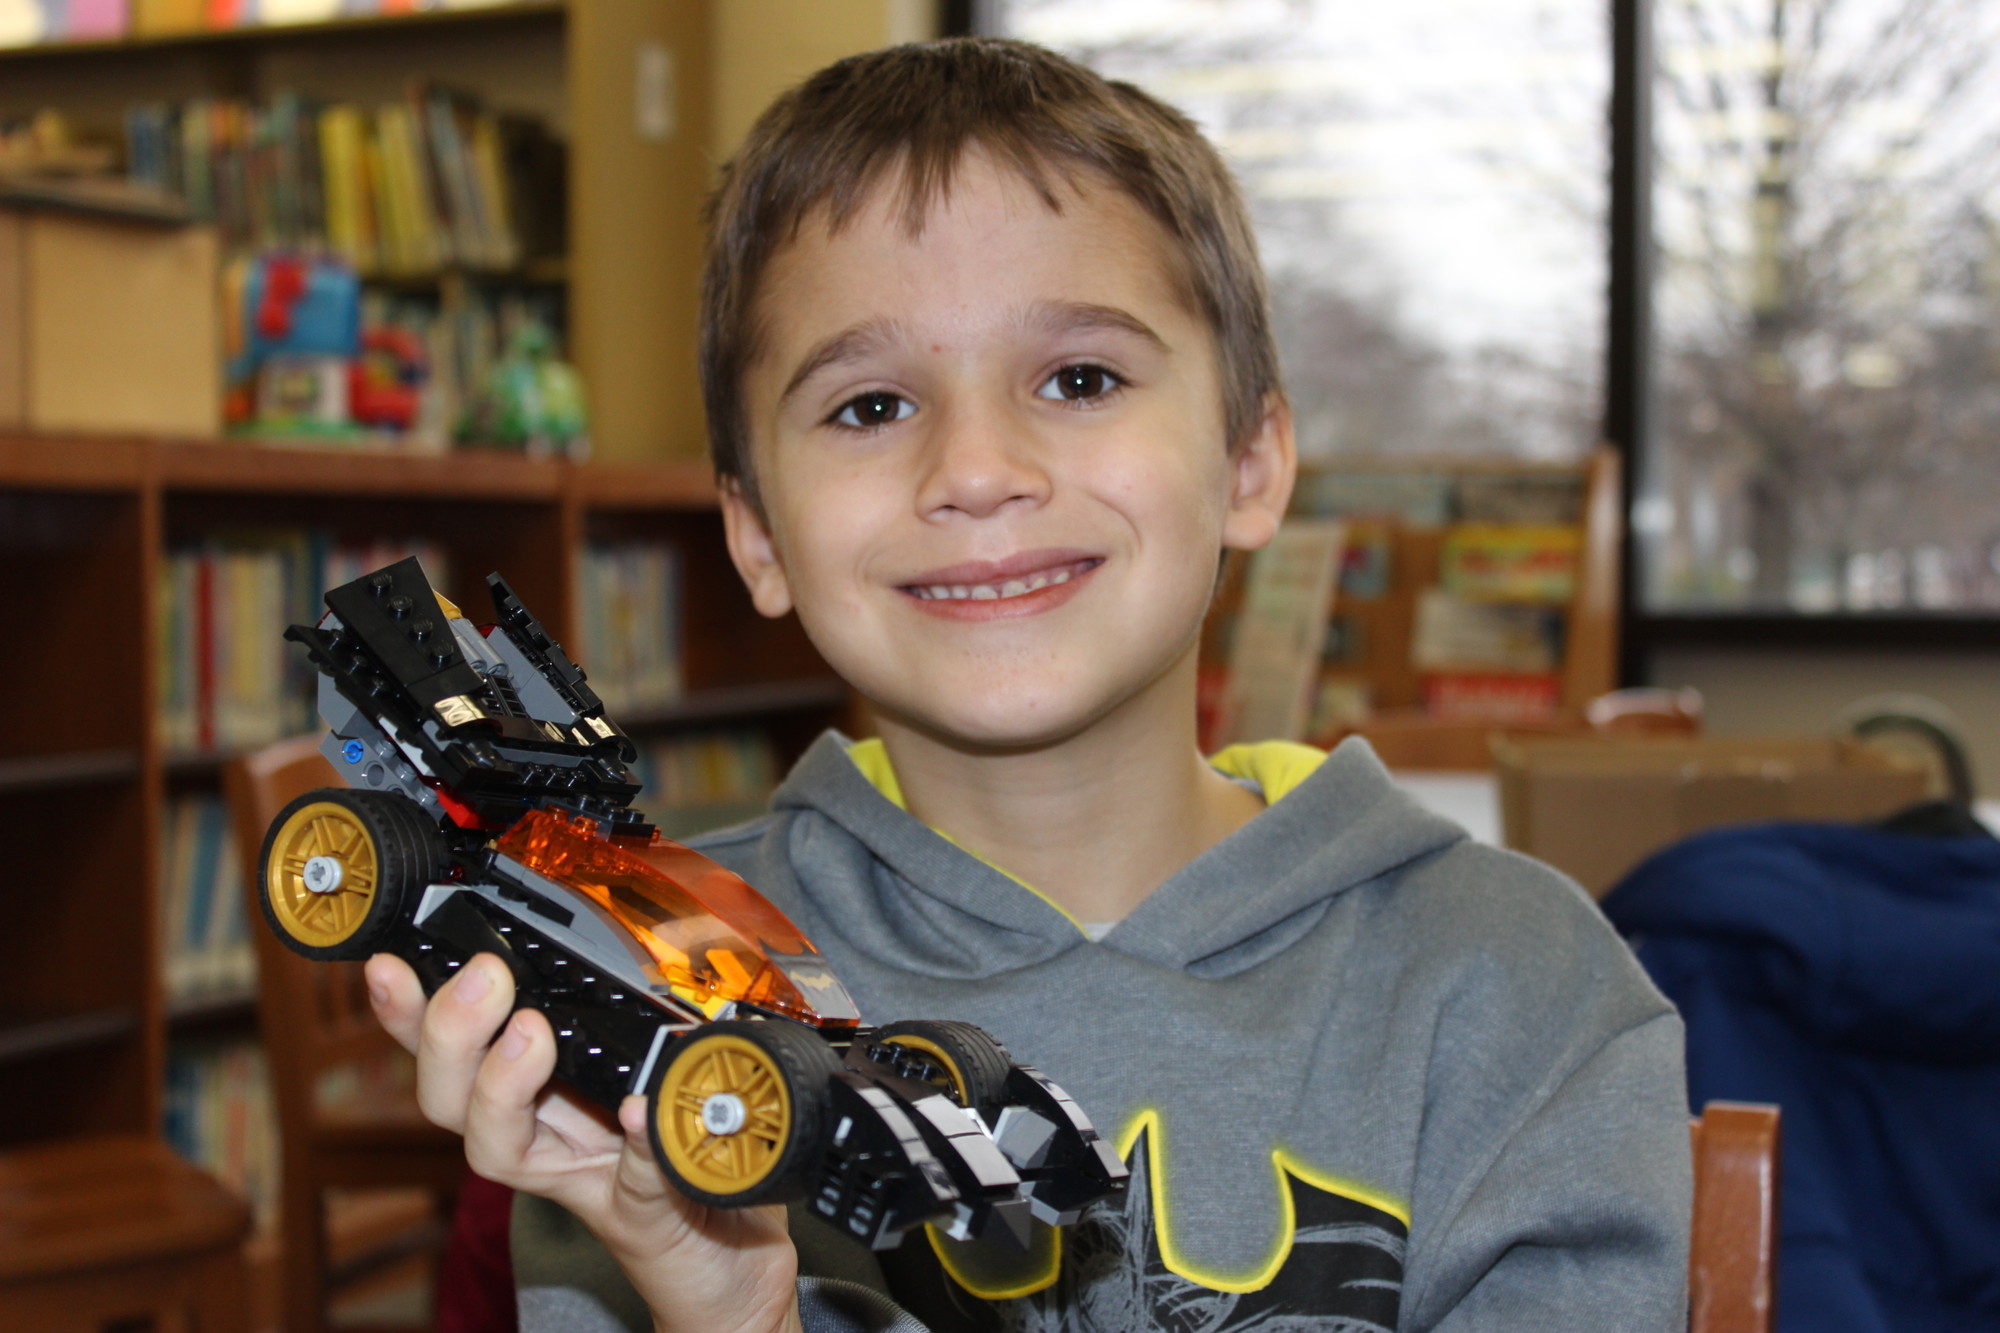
{"type": "Point", "coordinates": [227, 677]}
{"type": "Point", "coordinates": [408, 188]}
{"type": "Point", "coordinates": [724, 767]}
{"type": "Point", "coordinates": [628, 602]}
{"type": "Point", "coordinates": [204, 923]}
{"type": "Point", "coordinates": [33, 21]}
{"type": "Point", "coordinates": [219, 1115]}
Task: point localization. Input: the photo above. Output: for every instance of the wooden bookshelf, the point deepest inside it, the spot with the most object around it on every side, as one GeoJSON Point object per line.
{"type": "Point", "coordinates": [85, 524]}
{"type": "Point", "coordinates": [637, 176]}
{"type": "Point", "coordinates": [501, 13]}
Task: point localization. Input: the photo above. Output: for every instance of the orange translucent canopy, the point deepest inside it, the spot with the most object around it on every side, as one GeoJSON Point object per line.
{"type": "Point", "coordinates": [710, 935]}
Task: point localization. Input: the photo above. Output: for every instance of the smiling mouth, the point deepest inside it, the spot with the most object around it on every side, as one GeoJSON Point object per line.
{"type": "Point", "coordinates": [1000, 590]}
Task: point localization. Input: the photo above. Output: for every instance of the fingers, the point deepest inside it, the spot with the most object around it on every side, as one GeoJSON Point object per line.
{"type": "Point", "coordinates": [457, 1025]}
{"type": "Point", "coordinates": [639, 1177]}
{"type": "Point", "coordinates": [501, 1126]}
{"type": "Point", "coordinates": [397, 997]}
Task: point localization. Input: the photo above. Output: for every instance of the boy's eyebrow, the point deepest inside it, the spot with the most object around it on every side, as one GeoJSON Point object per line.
{"type": "Point", "coordinates": [1073, 316]}
{"type": "Point", "coordinates": [850, 344]}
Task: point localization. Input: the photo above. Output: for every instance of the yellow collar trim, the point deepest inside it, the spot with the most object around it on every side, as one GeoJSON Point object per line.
{"type": "Point", "coordinates": [1275, 766]}
{"type": "Point", "coordinates": [872, 758]}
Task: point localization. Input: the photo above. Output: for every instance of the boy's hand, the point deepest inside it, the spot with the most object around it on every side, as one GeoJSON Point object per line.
{"type": "Point", "coordinates": [703, 1268]}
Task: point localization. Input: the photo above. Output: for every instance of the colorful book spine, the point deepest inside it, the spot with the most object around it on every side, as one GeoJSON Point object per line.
{"type": "Point", "coordinates": [629, 600]}
{"type": "Point", "coordinates": [728, 767]}
{"type": "Point", "coordinates": [220, 1116]}
{"type": "Point", "coordinates": [226, 677]}
{"type": "Point", "coordinates": [404, 189]}
{"type": "Point", "coordinates": [203, 922]}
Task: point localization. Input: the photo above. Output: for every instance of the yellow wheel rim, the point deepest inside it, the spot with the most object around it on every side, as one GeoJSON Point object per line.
{"type": "Point", "coordinates": [322, 843]}
{"type": "Point", "coordinates": [724, 1114]}
{"type": "Point", "coordinates": [951, 1080]}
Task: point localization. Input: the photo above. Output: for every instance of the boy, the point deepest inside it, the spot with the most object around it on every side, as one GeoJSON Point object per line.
{"type": "Point", "coordinates": [991, 387]}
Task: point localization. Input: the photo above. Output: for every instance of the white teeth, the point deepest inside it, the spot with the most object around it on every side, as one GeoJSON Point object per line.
{"type": "Point", "coordinates": [988, 592]}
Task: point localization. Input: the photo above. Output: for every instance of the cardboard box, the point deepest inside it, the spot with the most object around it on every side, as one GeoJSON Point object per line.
{"type": "Point", "coordinates": [108, 325]}
{"type": "Point", "coordinates": [1595, 808]}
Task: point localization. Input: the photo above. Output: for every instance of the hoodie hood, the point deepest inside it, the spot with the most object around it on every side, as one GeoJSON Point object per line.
{"type": "Point", "coordinates": [905, 894]}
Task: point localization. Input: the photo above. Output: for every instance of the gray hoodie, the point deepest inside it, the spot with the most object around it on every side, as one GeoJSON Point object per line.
{"type": "Point", "coordinates": [1369, 1074]}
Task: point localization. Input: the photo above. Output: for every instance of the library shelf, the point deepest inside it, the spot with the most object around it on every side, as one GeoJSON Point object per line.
{"type": "Point", "coordinates": [216, 1009]}
{"type": "Point", "coordinates": [71, 462]}
{"type": "Point", "coordinates": [78, 769]}
{"type": "Point", "coordinates": [87, 524]}
{"type": "Point", "coordinates": [462, 474]}
{"type": "Point", "coordinates": [81, 462]}
{"type": "Point", "coordinates": [25, 1038]}
{"type": "Point", "coordinates": [622, 486]}
{"type": "Point", "coordinates": [491, 14]}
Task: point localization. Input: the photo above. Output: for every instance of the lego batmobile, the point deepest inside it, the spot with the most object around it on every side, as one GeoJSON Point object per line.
{"type": "Point", "coordinates": [489, 811]}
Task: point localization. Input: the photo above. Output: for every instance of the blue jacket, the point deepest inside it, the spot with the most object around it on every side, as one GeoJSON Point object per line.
{"type": "Point", "coordinates": [1853, 977]}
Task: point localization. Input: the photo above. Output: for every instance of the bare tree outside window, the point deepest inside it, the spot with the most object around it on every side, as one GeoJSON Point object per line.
{"type": "Point", "coordinates": [1428, 184]}
{"type": "Point", "coordinates": [1827, 307]}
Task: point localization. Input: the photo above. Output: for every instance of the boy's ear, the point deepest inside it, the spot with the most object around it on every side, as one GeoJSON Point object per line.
{"type": "Point", "coordinates": [1262, 470]}
{"type": "Point", "coordinates": [755, 555]}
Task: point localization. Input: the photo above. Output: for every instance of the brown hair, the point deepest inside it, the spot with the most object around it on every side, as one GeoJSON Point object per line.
{"type": "Point", "coordinates": [826, 143]}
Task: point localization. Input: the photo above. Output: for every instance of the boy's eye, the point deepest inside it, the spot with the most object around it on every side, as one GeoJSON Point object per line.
{"type": "Point", "coordinates": [868, 410]}
{"type": "Point", "coordinates": [1078, 383]}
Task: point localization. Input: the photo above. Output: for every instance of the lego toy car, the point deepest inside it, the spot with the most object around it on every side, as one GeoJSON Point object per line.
{"type": "Point", "coordinates": [489, 812]}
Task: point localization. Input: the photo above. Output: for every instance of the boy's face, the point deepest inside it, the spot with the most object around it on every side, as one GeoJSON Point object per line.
{"type": "Point", "coordinates": [992, 460]}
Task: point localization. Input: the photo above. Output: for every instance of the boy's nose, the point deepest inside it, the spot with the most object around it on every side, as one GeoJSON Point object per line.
{"type": "Point", "coordinates": [978, 462]}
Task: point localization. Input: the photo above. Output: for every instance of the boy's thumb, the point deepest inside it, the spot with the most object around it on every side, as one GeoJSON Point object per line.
{"type": "Point", "coordinates": [639, 1175]}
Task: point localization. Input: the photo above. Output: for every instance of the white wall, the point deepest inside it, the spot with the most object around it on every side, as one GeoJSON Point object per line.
{"type": "Point", "coordinates": [1772, 692]}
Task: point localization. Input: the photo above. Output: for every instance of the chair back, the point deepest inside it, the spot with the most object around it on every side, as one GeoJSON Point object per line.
{"type": "Point", "coordinates": [1732, 1256]}
{"type": "Point", "coordinates": [315, 1017]}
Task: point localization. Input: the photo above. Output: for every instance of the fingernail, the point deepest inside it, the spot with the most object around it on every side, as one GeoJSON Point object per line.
{"type": "Point", "coordinates": [473, 983]}
{"type": "Point", "coordinates": [512, 1042]}
{"type": "Point", "coordinates": [380, 995]}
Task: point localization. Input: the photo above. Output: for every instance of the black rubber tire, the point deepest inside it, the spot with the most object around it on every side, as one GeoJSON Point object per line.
{"type": "Point", "coordinates": [407, 850]}
{"type": "Point", "coordinates": [978, 1061]}
{"type": "Point", "coordinates": [803, 1064]}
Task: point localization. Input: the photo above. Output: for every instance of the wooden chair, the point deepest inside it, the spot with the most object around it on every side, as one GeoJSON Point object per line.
{"type": "Point", "coordinates": [1732, 1260]}
{"type": "Point", "coordinates": [318, 1029]}
{"type": "Point", "coordinates": [104, 1234]}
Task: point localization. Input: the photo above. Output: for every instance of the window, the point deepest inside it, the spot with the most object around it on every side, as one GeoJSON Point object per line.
{"type": "Point", "coordinates": [1428, 184]}
{"type": "Point", "coordinates": [1826, 308]}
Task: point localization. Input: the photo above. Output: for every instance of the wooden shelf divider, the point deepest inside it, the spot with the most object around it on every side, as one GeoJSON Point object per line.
{"type": "Point", "coordinates": [81, 769]}
{"type": "Point", "coordinates": [22, 1038]}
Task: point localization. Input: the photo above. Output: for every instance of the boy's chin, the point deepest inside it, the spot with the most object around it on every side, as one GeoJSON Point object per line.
{"type": "Point", "coordinates": [1015, 726]}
